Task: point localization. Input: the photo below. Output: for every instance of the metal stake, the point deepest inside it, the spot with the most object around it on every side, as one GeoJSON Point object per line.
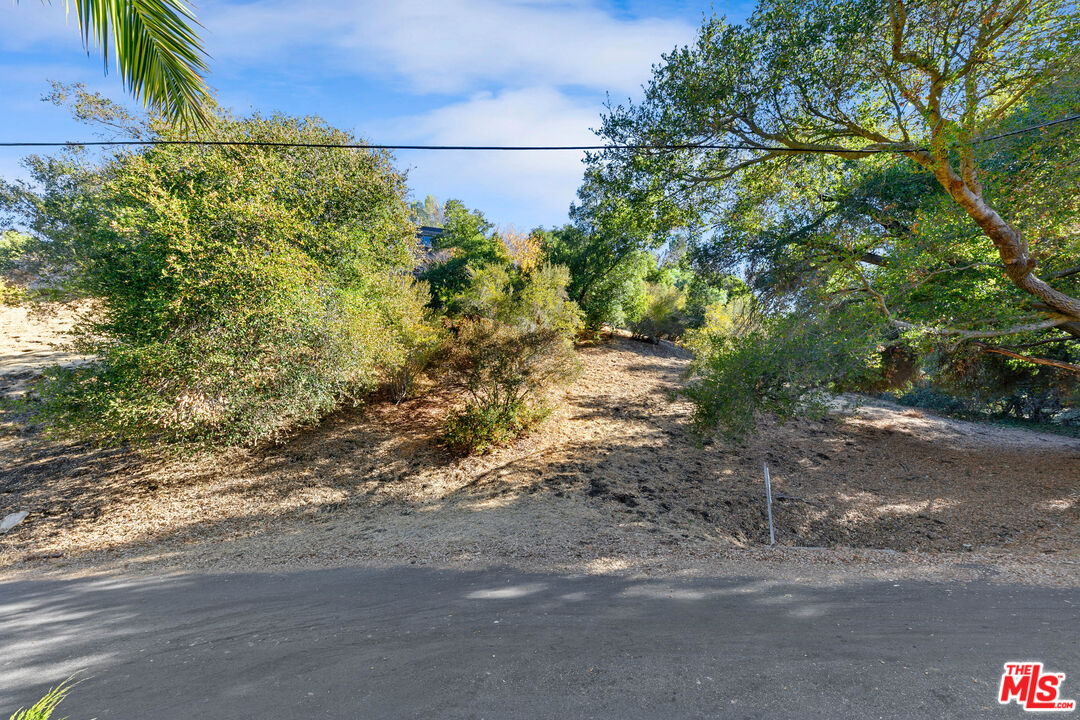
{"type": "Point", "coordinates": [768, 504]}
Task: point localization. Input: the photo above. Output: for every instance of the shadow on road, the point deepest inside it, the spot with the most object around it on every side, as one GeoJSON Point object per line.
{"type": "Point", "coordinates": [427, 643]}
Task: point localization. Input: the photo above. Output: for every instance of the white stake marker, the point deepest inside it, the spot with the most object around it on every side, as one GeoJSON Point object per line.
{"type": "Point", "coordinates": [768, 504]}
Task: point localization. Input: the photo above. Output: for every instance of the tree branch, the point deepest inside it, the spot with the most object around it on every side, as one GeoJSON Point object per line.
{"type": "Point", "coordinates": [1027, 358]}
{"type": "Point", "coordinates": [1062, 273]}
{"type": "Point", "coordinates": [970, 334]}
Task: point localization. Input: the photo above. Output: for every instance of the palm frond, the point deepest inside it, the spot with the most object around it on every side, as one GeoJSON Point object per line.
{"type": "Point", "coordinates": [160, 58]}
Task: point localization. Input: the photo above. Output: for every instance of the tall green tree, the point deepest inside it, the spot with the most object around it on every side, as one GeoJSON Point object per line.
{"type": "Point", "coordinates": [609, 246]}
{"type": "Point", "coordinates": [468, 241]}
{"type": "Point", "coordinates": [802, 89]}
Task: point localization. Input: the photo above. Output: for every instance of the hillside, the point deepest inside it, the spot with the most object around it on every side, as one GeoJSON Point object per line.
{"type": "Point", "coordinates": [612, 480]}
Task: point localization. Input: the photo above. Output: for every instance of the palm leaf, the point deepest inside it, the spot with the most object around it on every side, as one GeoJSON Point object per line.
{"type": "Point", "coordinates": [160, 58]}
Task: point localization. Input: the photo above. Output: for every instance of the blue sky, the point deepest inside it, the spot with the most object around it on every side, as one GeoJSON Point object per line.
{"type": "Point", "coordinates": [395, 72]}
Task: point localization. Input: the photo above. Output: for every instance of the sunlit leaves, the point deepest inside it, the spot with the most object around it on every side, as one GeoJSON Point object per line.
{"type": "Point", "coordinates": [241, 291]}
{"type": "Point", "coordinates": [156, 50]}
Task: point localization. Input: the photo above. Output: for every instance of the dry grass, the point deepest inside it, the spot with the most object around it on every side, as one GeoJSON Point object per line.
{"type": "Point", "coordinates": [611, 481]}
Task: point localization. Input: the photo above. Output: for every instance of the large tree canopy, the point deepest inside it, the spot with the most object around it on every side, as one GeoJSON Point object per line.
{"type": "Point", "coordinates": [848, 125]}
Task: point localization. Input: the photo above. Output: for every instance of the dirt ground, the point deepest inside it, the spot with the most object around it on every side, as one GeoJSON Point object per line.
{"type": "Point", "coordinates": [29, 342]}
{"type": "Point", "coordinates": [613, 481]}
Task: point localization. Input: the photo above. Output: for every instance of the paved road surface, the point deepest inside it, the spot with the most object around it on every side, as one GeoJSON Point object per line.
{"type": "Point", "coordinates": [417, 643]}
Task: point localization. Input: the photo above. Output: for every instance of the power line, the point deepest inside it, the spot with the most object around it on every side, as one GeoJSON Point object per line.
{"type": "Point", "coordinates": [362, 146]}
{"type": "Point", "coordinates": [514, 148]}
{"type": "Point", "coordinates": [1071, 118]}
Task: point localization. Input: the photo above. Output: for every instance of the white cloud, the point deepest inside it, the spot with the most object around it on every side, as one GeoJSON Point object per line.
{"type": "Point", "coordinates": [452, 45]}
{"type": "Point", "coordinates": [534, 187]}
{"type": "Point", "coordinates": [511, 71]}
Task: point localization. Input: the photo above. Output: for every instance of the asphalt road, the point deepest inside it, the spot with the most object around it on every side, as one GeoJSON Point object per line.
{"type": "Point", "coordinates": [418, 643]}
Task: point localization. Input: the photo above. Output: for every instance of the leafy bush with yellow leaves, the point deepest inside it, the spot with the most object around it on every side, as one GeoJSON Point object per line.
{"type": "Point", "coordinates": [513, 343]}
{"type": "Point", "coordinates": [244, 290]}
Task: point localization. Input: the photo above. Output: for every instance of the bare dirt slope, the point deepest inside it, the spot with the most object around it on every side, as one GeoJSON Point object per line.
{"type": "Point", "coordinates": [29, 342]}
{"type": "Point", "coordinates": [612, 480]}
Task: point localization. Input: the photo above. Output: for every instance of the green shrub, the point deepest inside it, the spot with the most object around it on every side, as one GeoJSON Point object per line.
{"type": "Point", "coordinates": [476, 429]}
{"type": "Point", "coordinates": [512, 345]}
{"type": "Point", "coordinates": [417, 337]}
{"type": "Point", "coordinates": [11, 294]}
{"type": "Point", "coordinates": [663, 317]}
{"type": "Point", "coordinates": [932, 399]}
{"type": "Point", "coordinates": [244, 291]}
{"type": "Point", "coordinates": [13, 246]}
{"type": "Point", "coordinates": [784, 366]}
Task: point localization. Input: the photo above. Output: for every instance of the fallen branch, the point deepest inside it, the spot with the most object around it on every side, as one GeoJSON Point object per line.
{"type": "Point", "coordinates": [1033, 327]}
{"type": "Point", "coordinates": [1027, 358]}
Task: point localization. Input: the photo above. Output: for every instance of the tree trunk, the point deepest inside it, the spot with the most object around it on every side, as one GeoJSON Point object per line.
{"type": "Point", "coordinates": [1011, 247]}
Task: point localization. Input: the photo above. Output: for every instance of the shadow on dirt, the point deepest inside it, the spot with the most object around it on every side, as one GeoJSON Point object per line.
{"type": "Point", "coordinates": [619, 446]}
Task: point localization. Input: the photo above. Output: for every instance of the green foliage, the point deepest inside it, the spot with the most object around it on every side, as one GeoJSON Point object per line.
{"type": "Point", "coordinates": [11, 294]}
{"type": "Point", "coordinates": [543, 304]}
{"type": "Point", "coordinates": [724, 319]}
{"type": "Point", "coordinates": [663, 315]}
{"type": "Point", "coordinates": [944, 237]}
{"type": "Point", "coordinates": [155, 49]}
{"type": "Point", "coordinates": [535, 300]}
{"type": "Point", "coordinates": [428, 213]}
{"type": "Point", "coordinates": [43, 708]}
{"type": "Point", "coordinates": [243, 291]}
{"type": "Point", "coordinates": [513, 343]}
{"type": "Point", "coordinates": [703, 293]}
{"type": "Point", "coordinates": [416, 336]}
{"type": "Point", "coordinates": [607, 277]}
{"type": "Point", "coordinates": [609, 247]}
{"type": "Point", "coordinates": [468, 241]}
{"type": "Point", "coordinates": [966, 382]}
{"type": "Point", "coordinates": [13, 248]}
{"type": "Point", "coordinates": [498, 417]}
{"type": "Point", "coordinates": [931, 399]}
{"type": "Point", "coordinates": [781, 366]}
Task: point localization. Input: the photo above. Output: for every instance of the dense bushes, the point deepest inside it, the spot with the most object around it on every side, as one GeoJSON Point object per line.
{"type": "Point", "coordinates": [505, 372]}
{"type": "Point", "coordinates": [663, 313]}
{"type": "Point", "coordinates": [779, 365]}
{"type": "Point", "coordinates": [963, 381]}
{"type": "Point", "coordinates": [512, 326]}
{"type": "Point", "coordinates": [243, 291]}
{"type": "Point", "coordinates": [13, 246]}
{"type": "Point", "coordinates": [513, 343]}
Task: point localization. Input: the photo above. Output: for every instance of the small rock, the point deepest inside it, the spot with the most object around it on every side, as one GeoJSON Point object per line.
{"type": "Point", "coordinates": [12, 520]}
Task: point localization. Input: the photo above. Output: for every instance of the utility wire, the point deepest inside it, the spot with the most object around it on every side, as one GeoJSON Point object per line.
{"type": "Point", "coordinates": [1071, 118]}
{"type": "Point", "coordinates": [514, 148]}
{"type": "Point", "coordinates": [362, 146]}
